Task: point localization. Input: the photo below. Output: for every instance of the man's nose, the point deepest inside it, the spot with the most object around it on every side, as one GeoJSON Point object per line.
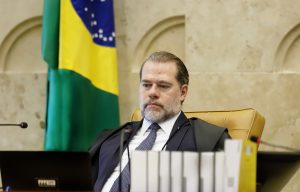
{"type": "Point", "coordinates": [153, 91]}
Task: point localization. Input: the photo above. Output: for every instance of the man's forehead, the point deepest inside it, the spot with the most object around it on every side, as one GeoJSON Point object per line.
{"type": "Point", "coordinates": [159, 72]}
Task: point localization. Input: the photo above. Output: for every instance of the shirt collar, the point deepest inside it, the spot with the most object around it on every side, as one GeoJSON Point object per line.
{"type": "Point", "coordinates": [165, 126]}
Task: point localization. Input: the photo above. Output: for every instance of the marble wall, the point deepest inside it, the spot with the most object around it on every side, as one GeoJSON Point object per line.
{"type": "Point", "coordinates": [22, 75]}
{"type": "Point", "coordinates": [240, 54]}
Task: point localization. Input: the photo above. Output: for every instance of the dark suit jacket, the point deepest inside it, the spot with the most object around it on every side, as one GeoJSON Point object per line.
{"type": "Point", "coordinates": [183, 137]}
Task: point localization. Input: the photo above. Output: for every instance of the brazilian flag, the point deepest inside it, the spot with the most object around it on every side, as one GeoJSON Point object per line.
{"type": "Point", "coordinates": [78, 43]}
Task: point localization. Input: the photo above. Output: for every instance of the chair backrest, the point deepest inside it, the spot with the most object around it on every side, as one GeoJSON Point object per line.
{"type": "Point", "coordinates": [241, 124]}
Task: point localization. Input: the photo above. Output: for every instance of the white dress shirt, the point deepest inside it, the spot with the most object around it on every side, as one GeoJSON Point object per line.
{"type": "Point", "coordinates": [163, 135]}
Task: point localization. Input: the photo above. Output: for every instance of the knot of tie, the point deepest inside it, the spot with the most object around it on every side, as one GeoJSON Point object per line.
{"type": "Point", "coordinates": [148, 143]}
{"type": "Point", "coordinates": [154, 127]}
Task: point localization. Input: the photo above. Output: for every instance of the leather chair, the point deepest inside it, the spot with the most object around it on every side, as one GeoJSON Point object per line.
{"type": "Point", "coordinates": [241, 124]}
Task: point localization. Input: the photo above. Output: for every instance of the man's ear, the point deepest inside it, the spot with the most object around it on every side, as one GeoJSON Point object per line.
{"type": "Point", "coordinates": [183, 90]}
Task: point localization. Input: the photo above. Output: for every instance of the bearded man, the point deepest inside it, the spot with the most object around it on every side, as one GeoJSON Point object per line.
{"type": "Point", "coordinates": [164, 82]}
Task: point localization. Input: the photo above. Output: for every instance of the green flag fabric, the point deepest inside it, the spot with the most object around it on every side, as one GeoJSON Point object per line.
{"type": "Point", "coordinates": [78, 43]}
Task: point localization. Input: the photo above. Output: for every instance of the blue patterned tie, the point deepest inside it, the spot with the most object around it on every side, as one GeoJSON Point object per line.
{"type": "Point", "coordinates": [147, 144]}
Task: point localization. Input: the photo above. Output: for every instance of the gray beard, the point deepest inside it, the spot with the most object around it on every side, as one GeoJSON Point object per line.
{"type": "Point", "coordinates": [162, 115]}
{"type": "Point", "coordinates": [157, 116]}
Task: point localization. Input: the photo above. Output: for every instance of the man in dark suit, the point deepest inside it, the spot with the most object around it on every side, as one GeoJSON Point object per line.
{"type": "Point", "coordinates": [163, 88]}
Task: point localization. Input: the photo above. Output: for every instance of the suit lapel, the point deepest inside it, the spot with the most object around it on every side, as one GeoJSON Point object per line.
{"type": "Point", "coordinates": [178, 132]}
